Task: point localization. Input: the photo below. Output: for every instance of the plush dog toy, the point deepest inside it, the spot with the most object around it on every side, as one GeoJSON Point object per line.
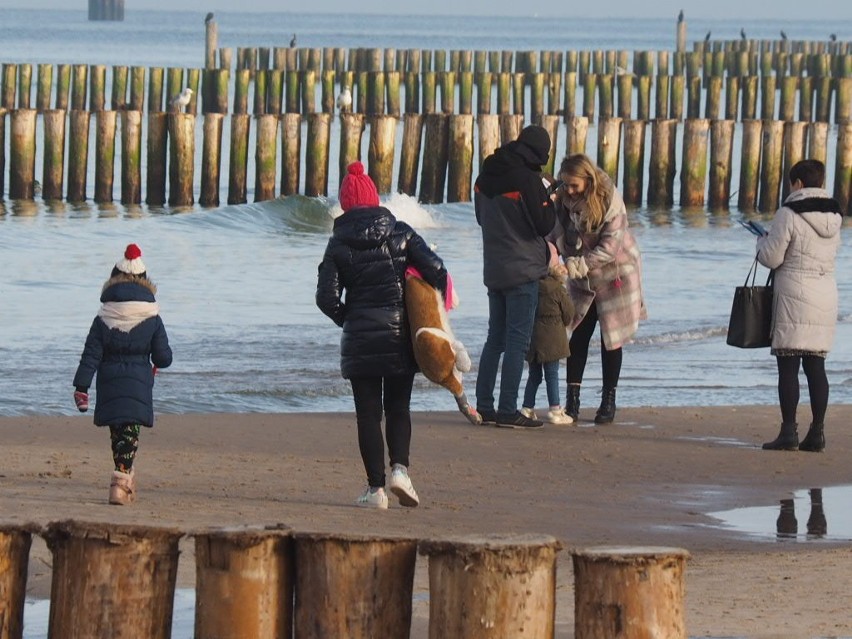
{"type": "Point", "coordinates": [441, 357]}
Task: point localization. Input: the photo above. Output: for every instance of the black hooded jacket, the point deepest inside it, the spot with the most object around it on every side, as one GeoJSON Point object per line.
{"type": "Point", "coordinates": [514, 211]}
{"type": "Point", "coordinates": [360, 286]}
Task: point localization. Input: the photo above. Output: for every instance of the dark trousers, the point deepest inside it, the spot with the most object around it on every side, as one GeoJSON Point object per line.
{"type": "Point", "coordinates": [374, 395]}
{"type": "Point", "coordinates": [579, 345]}
{"type": "Point", "coordinates": [788, 386]}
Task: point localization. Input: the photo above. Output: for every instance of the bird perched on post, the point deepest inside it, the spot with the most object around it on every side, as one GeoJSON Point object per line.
{"type": "Point", "coordinates": [707, 37]}
{"type": "Point", "coordinates": [293, 41]}
{"type": "Point", "coordinates": [209, 18]}
{"type": "Point", "coordinates": [783, 35]}
{"type": "Point", "coordinates": [742, 34]}
{"type": "Point", "coordinates": [680, 16]}
{"type": "Point", "coordinates": [344, 100]}
{"type": "Point", "coordinates": [181, 100]}
{"type": "Point", "coordinates": [832, 37]}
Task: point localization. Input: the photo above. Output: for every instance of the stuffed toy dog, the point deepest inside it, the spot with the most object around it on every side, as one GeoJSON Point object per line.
{"type": "Point", "coordinates": [440, 356]}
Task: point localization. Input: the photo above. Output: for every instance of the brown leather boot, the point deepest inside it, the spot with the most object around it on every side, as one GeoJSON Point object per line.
{"type": "Point", "coordinates": [122, 488]}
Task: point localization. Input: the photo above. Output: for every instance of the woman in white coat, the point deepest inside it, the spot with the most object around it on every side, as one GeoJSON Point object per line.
{"type": "Point", "coordinates": [801, 246]}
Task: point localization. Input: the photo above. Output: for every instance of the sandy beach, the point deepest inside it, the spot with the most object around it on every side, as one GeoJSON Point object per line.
{"type": "Point", "coordinates": [649, 479]}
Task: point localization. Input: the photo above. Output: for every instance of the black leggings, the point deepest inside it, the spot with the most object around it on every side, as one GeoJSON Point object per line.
{"type": "Point", "coordinates": [370, 400]}
{"type": "Point", "coordinates": [580, 339]}
{"type": "Point", "coordinates": [788, 386]}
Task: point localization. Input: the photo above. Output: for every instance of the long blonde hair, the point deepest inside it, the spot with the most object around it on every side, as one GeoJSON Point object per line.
{"type": "Point", "coordinates": [596, 193]}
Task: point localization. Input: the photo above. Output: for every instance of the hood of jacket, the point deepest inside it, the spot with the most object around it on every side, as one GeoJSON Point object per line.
{"type": "Point", "coordinates": [364, 227]}
{"type": "Point", "coordinates": [816, 207]}
{"type": "Point", "coordinates": [510, 157]}
{"type": "Point", "coordinates": [127, 288]}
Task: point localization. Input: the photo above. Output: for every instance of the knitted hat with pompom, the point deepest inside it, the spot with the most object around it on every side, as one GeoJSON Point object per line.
{"type": "Point", "coordinates": [132, 263]}
{"type": "Point", "coordinates": [357, 189]}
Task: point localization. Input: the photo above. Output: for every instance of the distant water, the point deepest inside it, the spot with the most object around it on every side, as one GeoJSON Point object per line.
{"type": "Point", "coordinates": [237, 282]}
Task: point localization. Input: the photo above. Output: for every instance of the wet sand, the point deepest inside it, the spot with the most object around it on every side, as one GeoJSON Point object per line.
{"type": "Point", "coordinates": [649, 479]}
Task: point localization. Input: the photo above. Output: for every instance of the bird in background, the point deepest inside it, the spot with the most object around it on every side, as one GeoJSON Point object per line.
{"type": "Point", "coordinates": [742, 34]}
{"type": "Point", "coordinates": [621, 71]}
{"type": "Point", "coordinates": [181, 100]}
{"type": "Point", "coordinates": [783, 35]}
{"type": "Point", "coordinates": [680, 16]}
{"type": "Point", "coordinates": [707, 37]}
{"type": "Point", "coordinates": [209, 18]}
{"type": "Point", "coordinates": [293, 41]}
{"type": "Point", "coordinates": [344, 100]}
{"type": "Point", "coordinates": [832, 37]}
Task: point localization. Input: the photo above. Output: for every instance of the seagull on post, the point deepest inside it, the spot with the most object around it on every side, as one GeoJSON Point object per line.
{"type": "Point", "coordinates": [344, 100]}
{"type": "Point", "coordinates": [209, 18]}
{"type": "Point", "coordinates": [181, 100]}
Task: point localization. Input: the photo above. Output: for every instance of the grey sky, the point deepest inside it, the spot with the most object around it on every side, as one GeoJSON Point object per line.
{"type": "Point", "coordinates": [840, 10]}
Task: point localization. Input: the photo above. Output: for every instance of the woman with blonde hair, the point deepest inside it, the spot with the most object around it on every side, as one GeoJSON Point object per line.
{"type": "Point", "coordinates": [605, 271]}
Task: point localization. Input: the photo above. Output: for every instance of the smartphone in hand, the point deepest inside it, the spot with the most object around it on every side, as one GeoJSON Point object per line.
{"type": "Point", "coordinates": [755, 228]}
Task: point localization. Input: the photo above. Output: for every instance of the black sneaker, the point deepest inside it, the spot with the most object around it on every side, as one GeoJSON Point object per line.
{"type": "Point", "coordinates": [517, 420]}
{"type": "Point", "coordinates": [489, 416]}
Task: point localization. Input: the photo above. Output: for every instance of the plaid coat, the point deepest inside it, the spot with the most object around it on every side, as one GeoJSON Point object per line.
{"type": "Point", "coordinates": [614, 281]}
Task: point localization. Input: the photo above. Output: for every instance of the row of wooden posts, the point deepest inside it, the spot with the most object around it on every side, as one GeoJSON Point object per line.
{"type": "Point", "coordinates": [820, 97]}
{"type": "Point", "coordinates": [447, 145]}
{"type": "Point", "coordinates": [272, 583]}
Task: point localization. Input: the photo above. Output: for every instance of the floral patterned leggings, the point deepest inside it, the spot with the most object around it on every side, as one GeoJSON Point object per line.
{"type": "Point", "coordinates": [125, 441]}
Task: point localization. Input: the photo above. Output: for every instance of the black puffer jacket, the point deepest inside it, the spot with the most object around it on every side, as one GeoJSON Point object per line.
{"type": "Point", "coordinates": [360, 287]}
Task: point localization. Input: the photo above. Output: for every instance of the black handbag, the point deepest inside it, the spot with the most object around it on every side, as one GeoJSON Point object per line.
{"type": "Point", "coordinates": [750, 325]}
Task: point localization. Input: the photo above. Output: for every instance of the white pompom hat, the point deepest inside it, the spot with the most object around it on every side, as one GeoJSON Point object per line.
{"type": "Point", "coordinates": [132, 263]}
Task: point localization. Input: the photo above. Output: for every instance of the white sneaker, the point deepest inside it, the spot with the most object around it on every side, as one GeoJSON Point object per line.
{"type": "Point", "coordinates": [370, 499]}
{"type": "Point", "coordinates": [557, 416]}
{"type": "Point", "coordinates": [529, 413]}
{"type": "Point", "coordinates": [400, 485]}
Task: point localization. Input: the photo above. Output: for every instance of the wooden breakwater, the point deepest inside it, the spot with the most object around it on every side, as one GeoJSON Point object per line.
{"type": "Point", "coordinates": [271, 582]}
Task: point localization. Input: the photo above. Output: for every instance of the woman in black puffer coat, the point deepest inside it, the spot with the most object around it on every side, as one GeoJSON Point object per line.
{"type": "Point", "coordinates": [360, 287]}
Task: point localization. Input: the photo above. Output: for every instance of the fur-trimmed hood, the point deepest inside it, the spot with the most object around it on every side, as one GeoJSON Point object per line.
{"type": "Point", "coordinates": [124, 278]}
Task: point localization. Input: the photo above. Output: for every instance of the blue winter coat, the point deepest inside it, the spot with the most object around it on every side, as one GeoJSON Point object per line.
{"type": "Point", "coordinates": [125, 339]}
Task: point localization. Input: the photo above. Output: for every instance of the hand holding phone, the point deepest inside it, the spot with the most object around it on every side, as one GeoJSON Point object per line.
{"type": "Point", "coordinates": [755, 228]}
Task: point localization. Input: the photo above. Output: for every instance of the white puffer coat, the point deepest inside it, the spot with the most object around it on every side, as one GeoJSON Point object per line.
{"type": "Point", "coordinates": [801, 247]}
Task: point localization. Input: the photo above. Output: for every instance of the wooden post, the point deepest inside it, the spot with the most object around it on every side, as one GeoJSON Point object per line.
{"type": "Point", "coordinates": [843, 103]}
{"type": "Point", "coordinates": [10, 83]}
{"type": "Point", "coordinates": [22, 154]}
{"type": "Point", "coordinates": [589, 86]}
{"type": "Point", "coordinates": [155, 89]}
{"type": "Point", "coordinates": [79, 87]}
{"type": "Point", "coordinates": [749, 165]}
{"type": "Point", "coordinates": [465, 94]}
{"type": "Point", "coordinates": [211, 159]}
{"type": "Point", "coordinates": [771, 165]}
{"type": "Point", "coordinates": [381, 152]}
{"type": "Point", "coordinates": [260, 92]}
{"type": "Point", "coordinates": [483, 92]}
{"type": "Point", "coordinates": [569, 108]}
{"type": "Point", "coordinates": [238, 162]}
{"type": "Point", "coordinates": [25, 73]}
{"type": "Point", "coordinates": [2, 151]}
{"type": "Point", "coordinates": [244, 583]}
{"type": "Point", "coordinates": [577, 132]}
{"type": "Point", "coordinates": [429, 92]}
{"type": "Point", "coordinates": [181, 159]}
{"type": "Point", "coordinates": [412, 133]}
{"type": "Point", "coordinates": [316, 154]}
{"type": "Point", "coordinates": [549, 123]}
{"type": "Point", "coordinates": [131, 157]}
{"type": "Point", "coordinates": [308, 89]}
{"type": "Point", "coordinates": [489, 136]}
{"type": "Point", "coordinates": [609, 143]}
{"type": "Point", "coordinates": [843, 168]}
{"type": "Point", "coordinates": [822, 108]}
{"type": "Point", "coordinates": [292, 90]}
{"type": "Point", "coordinates": [45, 85]}
{"type": "Point", "coordinates": [634, 162]}
{"type": "Point", "coordinates": [663, 165]}
{"type": "Point", "coordinates": [767, 97]}
{"type": "Point", "coordinates": [630, 593]}
{"type": "Point", "coordinates": [351, 132]}
{"type": "Point", "coordinates": [54, 157]}
{"type": "Point", "coordinates": [749, 95]}
{"type": "Point", "coordinates": [63, 86]}
{"type": "Point", "coordinates": [448, 91]}
{"type": "Point", "coordinates": [504, 93]}
{"type": "Point", "coordinates": [97, 87]}
{"type": "Point", "coordinates": [78, 154]}
{"type": "Point", "coordinates": [510, 127]}
{"type": "Point", "coordinates": [375, 93]}
{"type": "Point", "coordinates": [625, 95]}
{"type": "Point", "coordinates": [680, 36]}
{"type": "Point", "coordinates": [787, 104]}
{"type": "Point", "coordinates": [118, 97]}
{"type": "Point", "coordinates": [714, 98]}
{"type": "Point", "coordinates": [104, 155]}
{"type": "Point", "coordinates": [536, 81]}
{"type": "Point", "coordinates": [643, 97]}
{"type": "Point", "coordinates": [434, 174]}
{"type": "Point", "coordinates": [337, 574]}
{"type": "Point", "coordinates": [15, 542]}
{"type": "Point", "coordinates": [265, 157]}
{"type": "Point", "coordinates": [806, 98]}
{"type": "Point", "coordinates": [694, 163]}
{"type": "Point", "coordinates": [492, 586]}
{"type": "Point", "coordinates": [291, 147]}
{"type": "Point", "coordinates": [661, 97]}
{"type": "Point", "coordinates": [211, 43]}
{"type": "Point", "coordinates": [157, 152]}
{"type": "Point", "coordinates": [676, 105]}
{"type": "Point", "coordinates": [554, 93]}
{"type": "Point", "coordinates": [460, 158]}
{"type": "Point", "coordinates": [605, 105]}
{"type": "Point", "coordinates": [818, 141]}
{"type": "Point", "coordinates": [111, 580]}
{"type": "Point", "coordinates": [721, 154]}
{"type": "Point", "coordinates": [794, 151]}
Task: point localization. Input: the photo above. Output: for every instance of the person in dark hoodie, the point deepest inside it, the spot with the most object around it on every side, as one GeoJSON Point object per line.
{"type": "Point", "coordinates": [515, 212]}
{"type": "Point", "coordinates": [802, 246]}
{"type": "Point", "coordinates": [126, 343]}
{"type": "Point", "coordinates": [360, 287]}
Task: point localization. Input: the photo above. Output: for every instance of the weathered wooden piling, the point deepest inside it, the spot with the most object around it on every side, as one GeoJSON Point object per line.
{"type": "Point", "coordinates": [589, 87]}
{"type": "Point", "coordinates": [155, 89]}
{"type": "Point", "coordinates": [633, 180]}
{"type": "Point", "coordinates": [78, 152]}
{"type": "Point", "coordinates": [630, 593]}
{"type": "Point", "coordinates": [409, 161]}
{"type": "Point", "coordinates": [488, 136]}
{"type": "Point", "coordinates": [694, 162]}
{"type": "Point", "coordinates": [266, 158]}
{"type": "Point", "coordinates": [25, 72]}
{"type": "Point", "coordinates": [806, 99]}
{"type": "Point", "coordinates": [238, 162]}
{"type": "Point", "coordinates": [609, 144]}
{"type": "Point", "coordinates": [577, 132]}
{"type": "Point", "coordinates": [44, 87]}
{"type": "Point", "coordinates": [818, 141]}
{"type": "Point", "coordinates": [260, 87]}
{"type": "Point", "coordinates": [662, 166]}
{"type": "Point", "coordinates": [316, 154]}
{"type": "Point", "coordinates": [380, 153]}
{"type": "Point", "coordinates": [676, 90]}
{"type": "Point", "coordinates": [794, 151]}
{"type": "Point", "coordinates": [429, 92]}
{"type": "Point", "coordinates": [291, 147]}
{"type": "Point", "coordinates": [63, 86]}
{"type": "Point", "coordinates": [492, 586]}
{"type": "Point", "coordinates": [211, 159]}
{"type": "Point", "coordinates": [771, 165]}
{"type": "Point", "coordinates": [3, 154]}
{"type": "Point", "coordinates": [111, 580]}
{"type": "Point", "coordinates": [79, 87]}
{"type": "Point", "coordinates": [97, 88]}
{"type": "Point", "coordinates": [336, 574]}
{"type": "Point", "coordinates": [22, 154]}
{"type": "Point", "coordinates": [104, 155]}
{"type": "Point", "coordinates": [661, 97]}
{"type": "Point", "coordinates": [181, 159]}
{"type": "Point", "coordinates": [460, 167]}
{"type": "Point", "coordinates": [54, 155]}
{"type": "Point", "coordinates": [749, 165]}
{"type": "Point", "coordinates": [211, 43]}
{"type": "Point", "coordinates": [15, 542]}
{"type": "Point", "coordinates": [244, 583]}
{"type": "Point", "coordinates": [447, 80]}
{"type": "Point", "coordinates": [435, 156]}
{"type": "Point", "coordinates": [605, 104]}
{"type": "Point", "coordinates": [10, 83]}
{"type": "Point", "coordinates": [721, 154]}
{"type": "Point", "coordinates": [351, 132]}
{"type": "Point", "coordinates": [157, 149]}
{"type": "Point", "coordinates": [713, 98]}
{"type": "Point", "coordinates": [843, 101]}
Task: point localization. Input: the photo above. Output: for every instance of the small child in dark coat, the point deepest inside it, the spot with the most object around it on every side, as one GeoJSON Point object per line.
{"type": "Point", "coordinates": [127, 342]}
{"type": "Point", "coordinates": [549, 343]}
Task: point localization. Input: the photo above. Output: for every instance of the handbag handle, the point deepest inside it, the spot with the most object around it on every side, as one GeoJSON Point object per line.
{"type": "Point", "coordinates": [752, 273]}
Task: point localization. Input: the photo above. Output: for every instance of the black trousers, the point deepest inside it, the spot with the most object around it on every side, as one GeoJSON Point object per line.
{"type": "Point", "coordinates": [373, 396]}
{"type": "Point", "coordinates": [579, 345]}
{"type": "Point", "coordinates": [788, 386]}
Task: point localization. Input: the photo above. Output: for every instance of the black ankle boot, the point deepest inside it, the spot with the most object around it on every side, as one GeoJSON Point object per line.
{"type": "Point", "coordinates": [788, 439]}
{"type": "Point", "coordinates": [572, 402]}
{"type": "Point", "coordinates": [606, 412]}
{"type": "Point", "coordinates": [814, 441]}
